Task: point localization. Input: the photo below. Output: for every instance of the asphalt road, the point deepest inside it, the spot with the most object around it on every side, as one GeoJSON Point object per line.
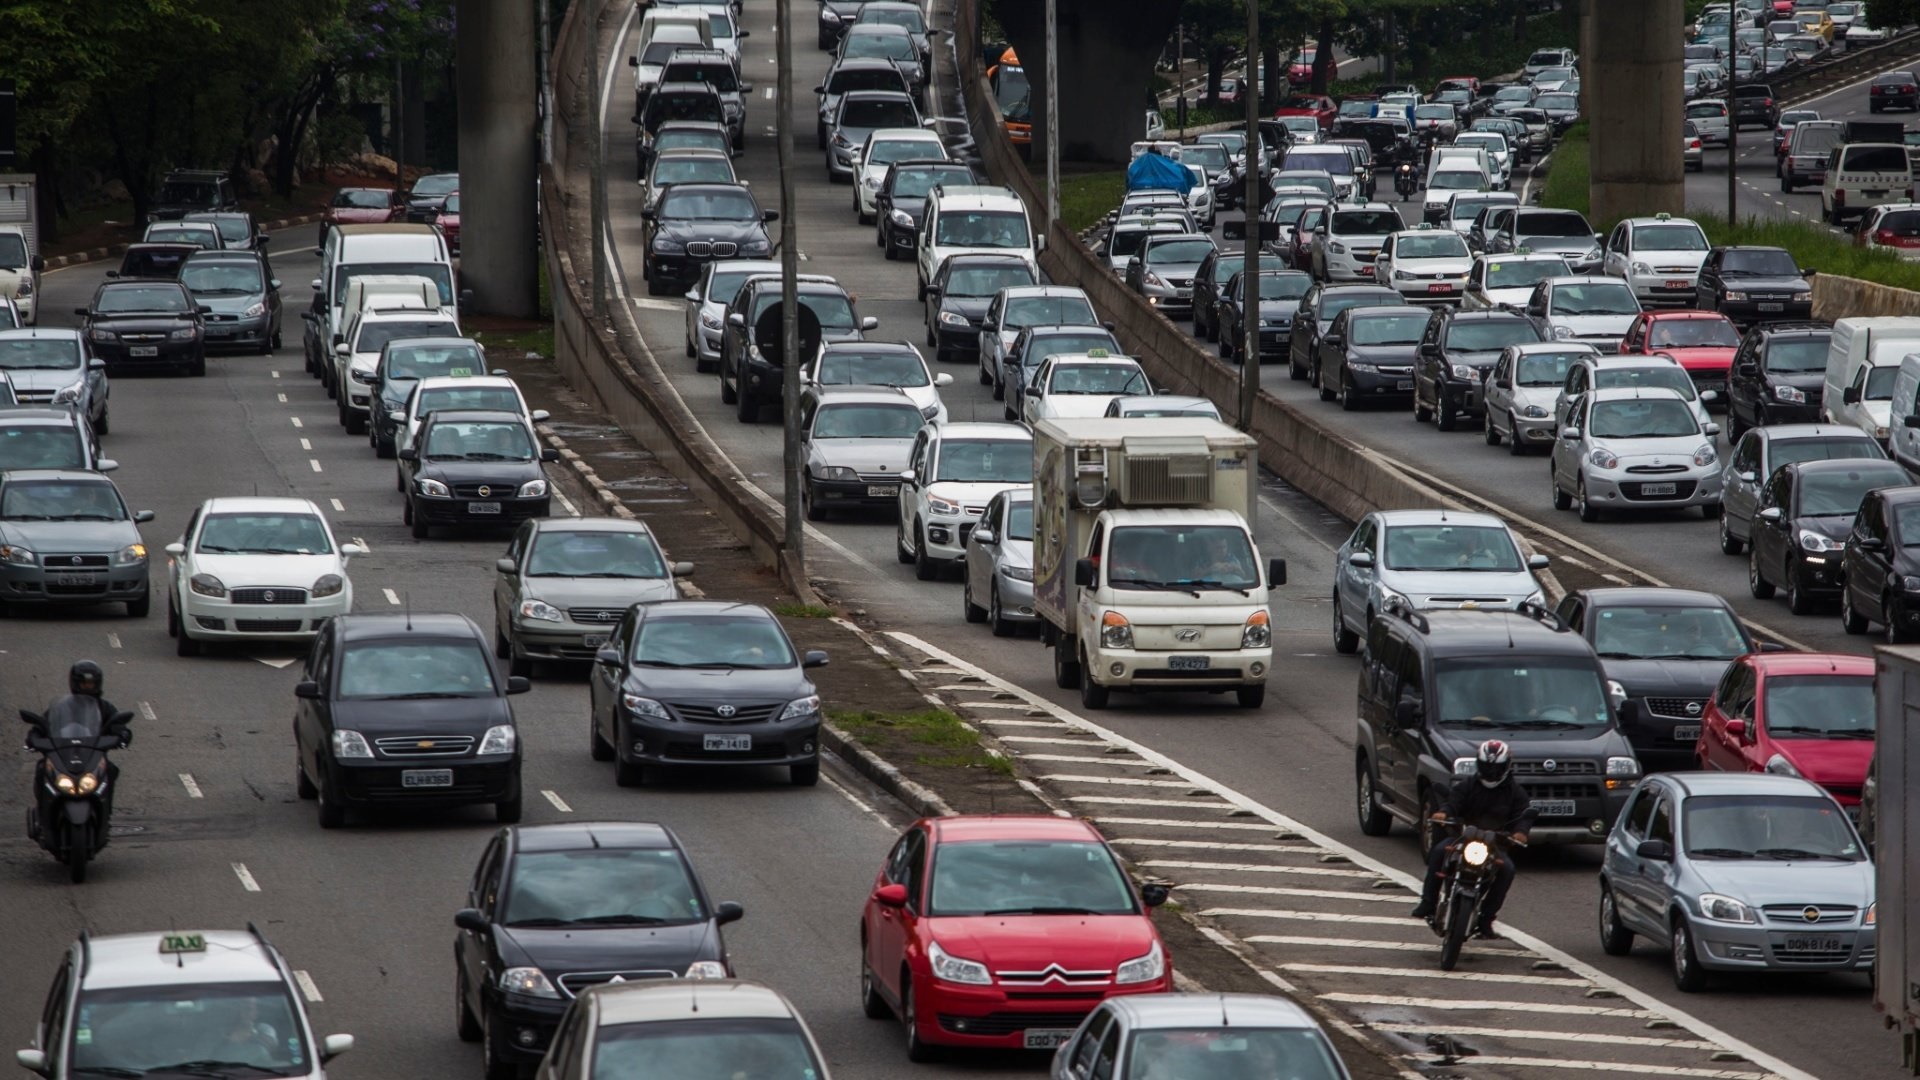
{"type": "Point", "coordinates": [366, 911]}
{"type": "Point", "coordinates": [1294, 756]}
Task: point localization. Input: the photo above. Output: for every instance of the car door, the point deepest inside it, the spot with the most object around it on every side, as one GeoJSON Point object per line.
{"type": "Point", "coordinates": [507, 583]}
{"type": "Point", "coordinates": [1744, 389]}
{"type": "Point", "coordinates": [1706, 292]}
{"type": "Point", "coordinates": [1034, 396]}
{"type": "Point", "coordinates": [1770, 538]}
{"type": "Point", "coordinates": [1621, 861]}
{"type": "Point", "coordinates": [989, 340]}
{"type": "Point", "coordinates": [1379, 690]}
{"type": "Point", "coordinates": [1741, 484]}
{"type": "Point", "coordinates": [1353, 585]}
{"type": "Point", "coordinates": [1426, 370]}
{"type": "Point", "coordinates": [889, 928]}
{"type": "Point", "coordinates": [1618, 256]}
{"type": "Point", "coordinates": [1720, 749]}
{"type": "Point", "coordinates": [1568, 402]}
{"type": "Point", "coordinates": [1303, 337]}
{"type": "Point", "coordinates": [1383, 262]}
{"type": "Point", "coordinates": [1075, 1062]}
{"type": "Point", "coordinates": [910, 482]}
{"type": "Point", "coordinates": [1538, 305]}
{"type": "Point", "coordinates": [979, 555]}
{"type": "Point", "coordinates": [472, 949]}
{"type": "Point", "coordinates": [603, 680]}
{"type": "Point", "coordinates": [1868, 557]}
{"type": "Point", "coordinates": [1106, 1059]}
{"type": "Point", "coordinates": [1636, 335]}
{"type": "Point", "coordinates": [51, 1037]}
{"type": "Point", "coordinates": [1652, 878]}
{"type": "Point", "coordinates": [1408, 740]}
{"type": "Point", "coordinates": [180, 567]}
{"type": "Point", "coordinates": [312, 718]}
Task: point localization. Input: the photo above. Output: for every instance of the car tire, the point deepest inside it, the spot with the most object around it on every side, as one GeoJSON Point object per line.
{"type": "Point", "coordinates": [997, 620]}
{"type": "Point", "coordinates": [1373, 820]}
{"type": "Point", "coordinates": [1798, 602]}
{"type": "Point", "coordinates": [629, 774]}
{"type": "Point", "coordinates": [1251, 697]}
{"type": "Point", "coordinates": [198, 367]}
{"type": "Point", "coordinates": [1561, 500]}
{"type": "Point", "coordinates": [464, 1024]}
{"type": "Point", "coordinates": [1712, 511]}
{"type": "Point", "coordinates": [919, 1051]}
{"type": "Point", "coordinates": [1515, 446]}
{"type": "Point", "coordinates": [105, 426]}
{"type": "Point", "coordinates": [1492, 433]}
{"type": "Point", "coordinates": [690, 350]}
{"type": "Point", "coordinates": [1345, 641]}
{"type": "Point", "coordinates": [871, 1003]}
{"type": "Point", "coordinates": [1348, 403]}
{"type": "Point", "coordinates": [1850, 620]}
{"type": "Point", "coordinates": [924, 568]}
{"type": "Point", "coordinates": [1786, 182]}
{"type": "Point", "coordinates": [327, 805]}
{"type": "Point", "coordinates": [1729, 545]}
{"type": "Point", "coordinates": [1893, 617]}
{"type": "Point", "coordinates": [416, 524]}
{"type": "Point", "coordinates": [491, 1065]}
{"type": "Point", "coordinates": [139, 609]}
{"type": "Point", "coordinates": [302, 786]}
{"type": "Point", "coordinates": [1421, 414]}
{"type": "Point", "coordinates": [1615, 939]}
{"type": "Point", "coordinates": [185, 645]}
{"type": "Point", "coordinates": [746, 410]}
{"type": "Point", "coordinates": [1759, 586]}
{"type": "Point", "coordinates": [1066, 664]}
{"type": "Point", "coordinates": [985, 376]}
{"type": "Point", "coordinates": [1588, 512]}
{"type": "Point", "coordinates": [1446, 418]}
{"type": "Point", "coordinates": [509, 811]}
{"type": "Point", "coordinates": [520, 666]}
{"type": "Point", "coordinates": [810, 503]}
{"type": "Point", "coordinates": [173, 618]}
{"type": "Point", "coordinates": [1688, 976]}
{"type": "Point", "coordinates": [805, 774]}
{"type": "Point", "coordinates": [1092, 694]}
{"type": "Point", "coordinates": [972, 612]}
{"type": "Point", "coordinates": [1294, 371]}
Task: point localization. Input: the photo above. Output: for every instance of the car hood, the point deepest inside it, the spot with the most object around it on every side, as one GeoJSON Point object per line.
{"type": "Point", "coordinates": [229, 303]}
{"type": "Point", "coordinates": [1016, 553]}
{"type": "Point", "coordinates": [1529, 745]}
{"type": "Point", "coordinates": [721, 685]}
{"type": "Point", "coordinates": [1665, 678]}
{"type": "Point", "coordinates": [1658, 259]}
{"type": "Point", "coordinates": [243, 571]}
{"type": "Point", "coordinates": [1831, 526]}
{"type": "Point", "coordinates": [1183, 271]}
{"type": "Point", "coordinates": [1557, 245]}
{"type": "Point", "coordinates": [1813, 881]}
{"type": "Point", "coordinates": [357, 215]}
{"type": "Point", "coordinates": [1076, 406]}
{"type": "Point", "coordinates": [561, 950]}
{"type": "Point", "coordinates": [70, 537]}
{"type": "Point", "coordinates": [914, 207]}
{"type": "Point", "coordinates": [507, 475]}
{"type": "Point", "coordinates": [1828, 761]}
{"type": "Point", "coordinates": [735, 231]}
{"type": "Point", "coordinates": [135, 321]}
{"type": "Point", "coordinates": [1767, 283]}
{"type": "Point", "coordinates": [44, 379]}
{"type": "Point", "coordinates": [1033, 942]}
{"type": "Point", "coordinates": [1675, 450]}
{"type": "Point", "coordinates": [439, 716]}
{"type": "Point", "coordinates": [1450, 267]}
{"type": "Point", "coordinates": [971, 493]}
{"type": "Point", "coordinates": [973, 307]}
{"type": "Point", "coordinates": [1701, 356]}
{"type": "Point", "coordinates": [861, 455]}
{"type": "Point", "coordinates": [1279, 311]}
{"type": "Point", "coordinates": [1481, 360]}
{"type": "Point", "coordinates": [1515, 298]}
{"type": "Point", "coordinates": [1585, 325]}
{"type": "Point", "coordinates": [1418, 585]}
{"type": "Point", "coordinates": [1543, 396]}
{"type": "Point", "coordinates": [1396, 355]}
{"type": "Point", "coordinates": [565, 592]}
{"type": "Point", "coordinates": [1880, 412]}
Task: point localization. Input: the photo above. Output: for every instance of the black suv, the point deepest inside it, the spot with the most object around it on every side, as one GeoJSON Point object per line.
{"type": "Point", "coordinates": [1456, 352]}
{"type": "Point", "coordinates": [1317, 311]}
{"type": "Point", "coordinates": [1806, 512]}
{"type": "Point", "coordinates": [670, 102]}
{"type": "Point", "coordinates": [1779, 376]}
{"type": "Point", "coordinates": [1749, 283]}
{"type": "Point", "coordinates": [714, 68]}
{"type": "Point", "coordinates": [1666, 650]}
{"type": "Point", "coordinates": [147, 324]}
{"type": "Point", "coordinates": [1881, 565]}
{"type": "Point", "coordinates": [690, 225]}
{"type": "Point", "coordinates": [747, 378]}
{"type": "Point", "coordinates": [901, 203]}
{"type": "Point", "coordinates": [471, 467]}
{"type": "Point", "coordinates": [1435, 685]}
{"type": "Point", "coordinates": [186, 191]}
{"type": "Point", "coordinates": [1754, 103]}
{"type": "Point", "coordinates": [405, 710]}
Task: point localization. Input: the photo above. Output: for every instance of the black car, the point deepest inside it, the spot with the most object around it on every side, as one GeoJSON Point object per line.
{"type": "Point", "coordinates": [1215, 269]}
{"type": "Point", "coordinates": [186, 191]}
{"type": "Point", "coordinates": [901, 203]}
{"type": "Point", "coordinates": [1893, 90]}
{"type": "Point", "coordinates": [1280, 295]}
{"type": "Point", "coordinates": [1664, 650]}
{"type": "Point", "coordinates": [1317, 311]}
{"type": "Point", "coordinates": [716, 69]}
{"type": "Point", "coordinates": [693, 224]}
{"type": "Point", "coordinates": [1436, 684]}
{"type": "Point", "coordinates": [429, 195]}
{"type": "Point", "coordinates": [1755, 103]}
{"type": "Point", "coordinates": [405, 710]}
{"type": "Point", "coordinates": [670, 102]}
{"type": "Point", "coordinates": [553, 910]}
{"type": "Point", "coordinates": [1749, 283]}
{"type": "Point", "coordinates": [958, 297]}
{"type": "Point", "coordinates": [748, 379]}
{"type": "Point", "coordinates": [403, 363]}
{"type": "Point", "coordinates": [834, 18]}
{"type": "Point", "coordinates": [238, 230]}
{"type": "Point", "coordinates": [1807, 509]}
{"type": "Point", "coordinates": [1455, 354]}
{"type": "Point", "coordinates": [701, 682]}
{"type": "Point", "coordinates": [1368, 354]}
{"type": "Point", "coordinates": [1881, 565]}
{"type": "Point", "coordinates": [471, 467]}
{"type": "Point", "coordinates": [1778, 376]}
{"type": "Point", "coordinates": [146, 324]}
{"type": "Point", "coordinates": [152, 262]}
{"type": "Point", "coordinates": [1034, 344]}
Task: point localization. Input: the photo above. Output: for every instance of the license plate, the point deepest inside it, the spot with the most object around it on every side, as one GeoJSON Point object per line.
{"type": "Point", "coordinates": [881, 491]}
{"type": "Point", "coordinates": [73, 579]}
{"type": "Point", "coordinates": [1553, 807]}
{"type": "Point", "coordinates": [1189, 663]}
{"type": "Point", "coordinates": [1366, 271]}
{"type": "Point", "coordinates": [593, 641]}
{"type": "Point", "coordinates": [1687, 732]}
{"type": "Point", "coordinates": [1679, 284]}
{"type": "Point", "coordinates": [1809, 943]}
{"type": "Point", "coordinates": [726, 742]}
{"type": "Point", "coordinates": [426, 778]}
{"type": "Point", "coordinates": [1773, 307]}
{"type": "Point", "coordinates": [143, 350]}
{"type": "Point", "coordinates": [1047, 1038]}
{"type": "Point", "coordinates": [1439, 288]}
{"type": "Point", "coordinates": [1403, 384]}
{"type": "Point", "coordinates": [1656, 489]}
{"type": "Point", "coordinates": [483, 508]}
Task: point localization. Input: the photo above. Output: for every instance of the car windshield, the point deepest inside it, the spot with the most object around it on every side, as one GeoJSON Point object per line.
{"type": "Point", "coordinates": [1027, 877]}
{"type": "Point", "coordinates": [1438, 245]}
{"type": "Point", "coordinates": [1493, 143]}
{"type": "Point", "coordinates": [868, 114]}
{"type": "Point", "coordinates": [832, 309]}
{"type": "Point", "coordinates": [721, 25]}
{"type": "Point", "coordinates": [708, 204]}
{"type": "Point", "coordinates": [1181, 558]}
{"type": "Point", "coordinates": [1284, 285]}
{"type": "Point", "coordinates": [1350, 107]}
{"type": "Point", "coordinates": [1175, 252]}
{"type": "Point", "coordinates": [1778, 827]}
{"type": "Point", "coordinates": [891, 150]}
{"type": "Point", "coordinates": [1516, 275]}
{"type": "Point", "coordinates": [1416, 548]}
{"type": "Point", "coordinates": [1496, 693]}
{"type": "Point", "coordinates": [1387, 329]}
{"type": "Point", "coordinates": [41, 446]}
{"type": "Point", "coordinates": [1551, 224]}
{"type": "Point", "coordinates": [1434, 112]}
{"type": "Point", "coordinates": [152, 263]}
{"type": "Point", "coordinates": [433, 361]}
{"type": "Point", "coordinates": [1642, 418]}
{"type": "Point", "coordinates": [1098, 379]}
{"type": "Point", "coordinates": [186, 192]}
{"type": "Point", "coordinates": [1047, 311]}
{"type": "Point", "coordinates": [917, 183]}
{"type": "Point", "coordinates": [364, 199]}
{"type": "Point", "coordinates": [1545, 368]}
{"type": "Point", "coordinates": [1209, 157]}
{"type": "Point", "coordinates": [1831, 493]}
{"type": "Point", "coordinates": [1636, 632]}
{"type": "Point", "coordinates": [1595, 298]}
{"type": "Point", "coordinates": [908, 17]}
{"type": "Point", "coordinates": [263, 533]}
{"type": "Point", "coordinates": [1799, 355]}
{"type": "Point", "coordinates": [1458, 180]}
{"type": "Point", "coordinates": [374, 336]}
{"type": "Point", "coordinates": [979, 281]}
{"type": "Point", "coordinates": [857, 78]}
{"type": "Point", "coordinates": [392, 668]}
{"type": "Point", "coordinates": [692, 170]}
{"type": "Point", "coordinates": [1759, 262]}
{"type": "Point", "coordinates": [139, 298]}
{"type": "Point", "coordinates": [489, 398]}
{"type": "Point", "coordinates": [983, 228]}
{"type": "Point", "coordinates": [61, 500]}
{"type": "Point", "coordinates": [716, 1049]}
{"type": "Point", "coordinates": [867, 422]}
{"type": "Point", "coordinates": [842, 368]}
{"type": "Point", "coordinates": [1365, 222]}
{"type": "Point", "coordinates": [1692, 333]}
{"type": "Point", "coordinates": [223, 278]}
{"type": "Point", "coordinates": [39, 353]}
{"type": "Point", "coordinates": [886, 46]}
{"type": "Point", "coordinates": [1666, 376]}
{"type": "Point", "coordinates": [1901, 223]}
{"type": "Point", "coordinates": [250, 1028]}
{"type": "Point", "coordinates": [690, 137]}
{"type": "Point", "coordinates": [13, 251]}
{"type": "Point", "coordinates": [600, 887]}
{"type": "Point", "coordinates": [478, 440]}
{"type": "Point", "coordinates": [986, 461]}
{"type": "Point", "coordinates": [1669, 238]}
{"type": "Point", "coordinates": [745, 640]}
{"type": "Point", "coordinates": [1566, 102]}
{"type": "Point", "coordinates": [439, 273]}
{"type": "Point", "coordinates": [436, 184]}
{"type": "Point", "coordinates": [559, 552]}
{"type": "Point", "coordinates": [1045, 345]}
{"type": "Point", "coordinates": [1490, 335]}
{"type": "Point", "coordinates": [179, 234]}
{"type": "Point", "coordinates": [1295, 1053]}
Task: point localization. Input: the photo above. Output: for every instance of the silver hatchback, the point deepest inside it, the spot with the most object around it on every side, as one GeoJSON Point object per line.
{"type": "Point", "coordinates": [1145, 1036]}
{"type": "Point", "coordinates": [998, 566]}
{"type": "Point", "coordinates": [1634, 449]}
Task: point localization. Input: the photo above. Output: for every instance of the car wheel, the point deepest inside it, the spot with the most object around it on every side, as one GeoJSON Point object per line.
{"type": "Point", "coordinates": [302, 786]}
{"type": "Point", "coordinates": [1712, 511]}
{"type": "Point", "coordinates": [1729, 545]}
{"type": "Point", "coordinates": [805, 774]}
{"type": "Point", "coordinates": [1492, 433]}
{"type": "Point", "coordinates": [491, 1067]}
{"type": "Point", "coordinates": [417, 525]}
{"type": "Point", "coordinates": [509, 811]}
{"type": "Point", "coordinates": [973, 612]}
{"type": "Point", "coordinates": [173, 618]}
{"type": "Point", "coordinates": [1786, 182]}
{"type": "Point", "coordinates": [924, 568]}
{"type": "Point", "coordinates": [105, 426]}
{"type": "Point", "coordinates": [1561, 500]}
{"type": "Point", "coordinates": [1092, 694]}
{"type": "Point", "coordinates": [1890, 610]}
{"type": "Point", "coordinates": [1373, 820]}
{"type": "Point", "coordinates": [1421, 414]}
{"type": "Point", "coordinates": [1345, 641]}
{"type": "Point", "coordinates": [746, 410]}
{"type": "Point", "coordinates": [1759, 586]}
{"type": "Point", "coordinates": [1615, 939]}
{"type": "Point", "coordinates": [185, 645]}
{"type": "Point", "coordinates": [871, 1003]}
{"type": "Point", "coordinates": [1448, 417]}
{"type": "Point", "coordinates": [997, 619]}
{"type": "Point", "coordinates": [1251, 697]}
{"type": "Point", "coordinates": [1798, 602]}
{"type": "Point", "coordinates": [1588, 511]}
{"type": "Point", "coordinates": [627, 773]}
{"type": "Point", "coordinates": [1688, 976]}
{"type": "Point", "coordinates": [464, 1024]}
{"type": "Point", "coordinates": [810, 503]}
{"type": "Point", "coordinates": [140, 608]}
{"type": "Point", "coordinates": [1066, 665]}
{"type": "Point", "coordinates": [728, 395]}
{"type": "Point", "coordinates": [918, 1050]}
{"type": "Point", "coordinates": [1514, 444]}
{"type": "Point", "coordinates": [521, 666]}
{"type": "Point", "coordinates": [1850, 620]}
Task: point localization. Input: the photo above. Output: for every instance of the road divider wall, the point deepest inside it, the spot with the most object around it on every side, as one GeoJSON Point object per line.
{"type": "Point", "coordinates": [1836, 297]}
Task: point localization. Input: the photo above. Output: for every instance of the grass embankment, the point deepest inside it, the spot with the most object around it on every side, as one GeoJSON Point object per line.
{"type": "Point", "coordinates": [935, 736]}
{"type": "Point", "coordinates": [1085, 198]}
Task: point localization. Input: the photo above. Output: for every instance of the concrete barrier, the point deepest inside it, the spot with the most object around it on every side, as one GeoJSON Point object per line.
{"type": "Point", "coordinates": [1836, 297]}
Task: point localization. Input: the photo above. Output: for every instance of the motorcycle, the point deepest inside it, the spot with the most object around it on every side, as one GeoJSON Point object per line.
{"type": "Point", "coordinates": [73, 744]}
{"type": "Point", "coordinates": [1473, 859]}
{"type": "Point", "coordinates": [1404, 182]}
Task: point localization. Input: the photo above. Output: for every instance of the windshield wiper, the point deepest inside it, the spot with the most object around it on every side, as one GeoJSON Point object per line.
{"type": "Point", "coordinates": [1043, 911]}
{"type": "Point", "coordinates": [486, 455]}
{"type": "Point", "coordinates": [421, 695]}
{"type": "Point", "coordinates": [449, 457]}
{"type": "Point", "coordinates": [105, 1070]}
{"type": "Point", "coordinates": [1720, 852]}
{"type": "Point", "coordinates": [215, 549]}
{"type": "Point", "coordinates": [1798, 853]}
{"type": "Point", "coordinates": [216, 1068]}
{"type": "Point", "coordinates": [1541, 724]}
{"type": "Point", "coordinates": [619, 920]}
{"type": "Point", "coordinates": [1210, 583]}
{"type": "Point", "coordinates": [545, 920]}
{"type": "Point", "coordinates": [1158, 586]}
{"type": "Point", "coordinates": [27, 517]}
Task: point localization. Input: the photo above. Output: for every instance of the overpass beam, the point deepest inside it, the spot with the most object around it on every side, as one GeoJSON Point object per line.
{"type": "Point", "coordinates": [499, 147]}
{"type": "Point", "coordinates": [1631, 84]}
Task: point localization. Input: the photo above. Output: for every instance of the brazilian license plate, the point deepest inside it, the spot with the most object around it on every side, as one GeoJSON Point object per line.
{"type": "Point", "coordinates": [1189, 663]}
{"type": "Point", "coordinates": [426, 778]}
{"type": "Point", "coordinates": [1553, 807]}
{"type": "Point", "coordinates": [1773, 307]}
{"type": "Point", "coordinates": [1656, 489]}
{"type": "Point", "coordinates": [1680, 284]}
{"type": "Point", "coordinates": [1813, 943]}
{"type": "Point", "coordinates": [73, 579]}
{"type": "Point", "coordinates": [143, 350]}
{"type": "Point", "coordinates": [593, 641]}
{"type": "Point", "coordinates": [483, 508]}
{"type": "Point", "coordinates": [726, 742]}
{"type": "Point", "coordinates": [882, 491]}
{"type": "Point", "coordinates": [1403, 384]}
{"type": "Point", "coordinates": [1047, 1038]}
{"type": "Point", "coordinates": [1687, 732]}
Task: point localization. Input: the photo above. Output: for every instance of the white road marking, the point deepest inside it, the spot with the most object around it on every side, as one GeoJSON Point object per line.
{"type": "Point", "coordinates": [559, 803]}
{"type": "Point", "coordinates": [572, 510]}
{"type": "Point", "coordinates": [392, 597]}
{"type": "Point", "coordinates": [1316, 916]}
{"type": "Point", "coordinates": [1380, 897]}
{"type": "Point", "coordinates": [1050, 741]}
{"type": "Point", "coordinates": [769, 93]}
{"type": "Point", "coordinates": [113, 641]}
{"type": "Point", "coordinates": [307, 987]}
{"type": "Point", "coordinates": [282, 397]}
{"type": "Point", "coordinates": [1339, 943]}
{"type": "Point", "coordinates": [315, 462]}
{"type": "Point", "coordinates": [1082, 759]}
{"type": "Point", "coordinates": [246, 877]}
{"type": "Point", "coordinates": [997, 722]}
{"type": "Point", "coordinates": [306, 444]}
{"type": "Point", "coordinates": [338, 506]}
{"type": "Point", "coordinates": [1549, 1036]}
{"type": "Point", "coordinates": [276, 374]}
{"type": "Point", "coordinates": [1120, 781]}
{"type": "Point", "coordinates": [1214, 845]}
{"type": "Point", "coordinates": [1180, 823]}
{"type": "Point", "coordinates": [654, 303]}
{"type": "Point", "coordinates": [1121, 800]}
{"type": "Point", "coordinates": [146, 711]}
{"type": "Point", "coordinates": [296, 421]}
{"type": "Point", "coordinates": [1430, 973]}
{"type": "Point", "coordinates": [275, 661]}
{"type": "Point", "coordinates": [1003, 705]}
{"type": "Point", "coordinates": [1257, 868]}
{"type": "Point", "coordinates": [1610, 1066]}
{"type": "Point", "coordinates": [1456, 1004]}
{"type": "Point", "coordinates": [362, 540]}
{"type": "Point", "coordinates": [193, 789]}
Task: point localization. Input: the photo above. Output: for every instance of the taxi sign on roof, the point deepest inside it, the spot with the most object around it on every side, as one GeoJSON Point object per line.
{"type": "Point", "coordinates": [1098, 352]}
{"type": "Point", "coordinates": [182, 943]}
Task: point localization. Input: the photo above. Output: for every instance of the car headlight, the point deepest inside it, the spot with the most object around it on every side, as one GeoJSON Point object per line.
{"type": "Point", "coordinates": [257, 309]}
{"type": "Point", "coordinates": [1734, 294]}
{"type": "Point", "coordinates": [932, 411]}
{"type": "Point", "coordinates": [841, 141]}
{"type": "Point", "coordinates": [706, 969]}
{"type": "Point", "coordinates": [184, 335]}
{"type": "Point", "coordinates": [1803, 297]}
{"type": "Point", "coordinates": [1402, 275]}
{"type": "Point", "coordinates": [1641, 268]}
{"type": "Point", "coordinates": [755, 248]}
{"type": "Point", "coordinates": [954, 969]}
{"type": "Point", "coordinates": [1705, 456]}
{"type": "Point", "coordinates": [1018, 573]}
{"type": "Point", "coordinates": [1872, 917]}
{"type": "Point", "coordinates": [206, 585]}
{"type": "Point", "coordinates": [1563, 333]}
{"type": "Point", "coordinates": [1813, 541]}
{"type": "Point", "coordinates": [530, 981]}
{"type": "Point", "coordinates": [1725, 909]}
{"type": "Point", "coordinates": [1465, 766]}
{"type": "Point", "coordinates": [1465, 371]}
{"type": "Point", "coordinates": [1388, 595]}
{"type": "Point", "coordinates": [710, 320]}
{"type": "Point", "coordinates": [327, 585]}
{"type": "Point", "coordinates": [732, 110]}
{"type": "Point", "coordinates": [499, 739]}
{"type": "Point", "coordinates": [1363, 367]}
{"type": "Point", "coordinates": [839, 472]}
{"type": "Point", "coordinates": [1142, 968]}
{"type": "Point", "coordinates": [801, 708]}
{"type": "Point", "coordinates": [1336, 247]}
{"type": "Point", "coordinates": [1593, 253]}
{"type": "Point", "coordinates": [131, 554]}
{"type": "Point", "coordinates": [1780, 766]}
{"type": "Point", "coordinates": [364, 378]}
{"type": "Point", "coordinates": [533, 489]}
{"type": "Point", "coordinates": [541, 610]}
{"type": "Point", "coordinates": [1534, 412]}
{"type": "Point", "coordinates": [102, 335]}
{"type": "Point", "coordinates": [668, 246]}
{"type": "Point", "coordinates": [1257, 633]}
{"type": "Point", "coordinates": [1475, 853]}
{"type": "Point", "coordinates": [1536, 597]}
{"type": "Point", "coordinates": [1156, 280]}
{"type": "Point", "coordinates": [1602, 458]}
{"type": "Point", "coordinates": [1623, 766]}
{"type": "Point", "coordinates": [645, 706]}
{"type": "Point", "coordinates": [901, 218]}
{"type": "Point", "coordinates": [829, 17]}
{"type": "Point", "coordinates": [870, 182]}
{"type": "Point", "coordinates": [938, 505]}
{"type": "Point", "coordinates": [427, 485]}
{"type": "Point", "coordinates": [1789, 394]}
{"type": "Point", "coordinates": [953, 318]}
{"type": "Point", "coordinates": [68, 395]}
{"type": "Point", "coordinates": [350, 744]}
{"type": "Point", "coordinates": [1115, 631]}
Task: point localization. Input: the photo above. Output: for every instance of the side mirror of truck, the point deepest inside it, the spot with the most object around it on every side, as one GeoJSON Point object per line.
{"type": "Point", "coordinates": [1851, 395]}
{"type": "Point", "coordinates": [1276, 573]}
{"type": "Point", "coordinates": [1083, 573]}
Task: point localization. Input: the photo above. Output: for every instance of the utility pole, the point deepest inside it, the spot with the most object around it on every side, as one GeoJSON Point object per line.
{"type": "Point", "coordinates": [790, 297]}
{"type": "Point", "coordinates": [1250, 272]}
{"type": "Point", "coordinates": [398, 128]}
{"type": "Point", "coordinates": [1053, 116]}
{"type": "Point", "coordinates": [596, 164]}
{"type": "Point", "coordinates": [1179, 76]}
{"type": "Point", "coordinates": [1733, 140]}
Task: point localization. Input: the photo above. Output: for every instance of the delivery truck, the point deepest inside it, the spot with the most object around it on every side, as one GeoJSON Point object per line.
{"type": "Point", "coordinates": [20, 261]}
{"type": "Point", "coordinates": [1145, 572]}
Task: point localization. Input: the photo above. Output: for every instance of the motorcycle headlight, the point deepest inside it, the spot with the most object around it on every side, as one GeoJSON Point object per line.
{"type": "Point", "coordinates": [1465, 371]}
{"type": "Point", "coordinates": [68, 395]}
{"type": "Point", "coordinates": [1623, 766]}
{"type": "Point", "coordinates": [1780, 766]}
{"type": "Point", "coordinates": [327, 585]}
{"type": "Point", "coordinates": [206, 585]}
{"type": "Point", "coordinates": [1789, 394]}
{"type": "Point", "coordinates": [706, 969]}
{"type": "Point", "coordinates": [953, 969]}
{"type": "Point", "coordinates": [184, 335]}
{"type": "Point", "coordinates": [1602, 458]}
{"type": "Point", "coordinates": [131, 554]}
{"type": "Point", "coordinates": [499, 739]}
{"type": "Point", "coordinates": [1724, 909]}
{"type": "Point", "coordinates": [1258, 633]}
{"type": "Point", "coordinates": [668, 246]}
{"type": "Point", "coordinates": [953, 318]}
{"type": "Point", "coordinates": [527, 980]}
{"type": "Point", "coordinates": [541, 610]}
{"type": "Point", "coordinates": [901, 218]}
{"type": "Point", "coordinates": [257, 309]}
{"type": "Point", "coordinates": [1115, 631]}
{"type": "Point", "coordinates": [1813, 541]}
{"type": "Point", "coordinates": [1142, 968]}
{"type": "Point", "coordinates": [533, 489]}
{"type": "Point", "coordinates": [350, 744]}
{"type": "Point", "coordinates": [1475, 853]}
{"type": "Point", "coordinates": [645, 706]}
{"type": "Point", "coordinates": [1705, 456]}
{"type": "Point", "coordinates": [87, 783]}
{"type": "Point", "coordinates": [801, 708]}
{"type": "Point", "coordinates": [938, 505]}
{"type": "Point", "coordinates": [65, 784]}
{"type": "Point", "coordinates": [427, 485]}
{"type": "Point", "coordinates": [1018, 573]}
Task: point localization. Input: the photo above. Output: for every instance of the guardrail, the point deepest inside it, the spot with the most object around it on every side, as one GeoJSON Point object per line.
{"type": "Point", "coordinates": [1805, 81]}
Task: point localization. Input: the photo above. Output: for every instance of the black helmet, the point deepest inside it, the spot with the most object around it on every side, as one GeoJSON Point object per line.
{"type": "Point", "coordinates": [86, 678]}
{"type": "Point", "coordinates": [1493, 762]}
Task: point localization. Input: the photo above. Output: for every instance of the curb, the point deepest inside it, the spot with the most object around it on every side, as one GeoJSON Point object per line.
{"type": "Point", "coordinates": [61, 262]}
{"type": "Point", "coordinates": [917, 797]}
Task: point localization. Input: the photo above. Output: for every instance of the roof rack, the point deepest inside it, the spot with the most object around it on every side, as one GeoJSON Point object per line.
{"type": "Point", "coordinates": [1399, 608]}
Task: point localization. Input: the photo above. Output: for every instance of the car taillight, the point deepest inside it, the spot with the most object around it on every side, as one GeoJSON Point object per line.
{"type": "Point", "coordinates": [1694, 145]}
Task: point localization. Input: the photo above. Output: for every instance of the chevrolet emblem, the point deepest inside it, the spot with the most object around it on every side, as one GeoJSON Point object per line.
{"type": "Point", "coordinates": [424, 744]}
{"type": "Point", "coordinates": [485, 491]}
{"type": "Point", "coordinates": [1812, 914]}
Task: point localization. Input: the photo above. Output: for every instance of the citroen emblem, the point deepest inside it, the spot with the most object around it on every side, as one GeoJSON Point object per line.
{"type": "Point", "coordinates": [725, 710]}
{"type": "Point", "coordinates": [1549, 765]}
{"type": "Point", "coordinates": [1812, 914]}
{"type": "Point", "coordinates": [1693, 708]}
{"type": "Point", "coordinates": [485, 491]}
{"type": "Point", "coordinates": [267, 596]}
{"type": "Point", "coordinates": [1187, 634]}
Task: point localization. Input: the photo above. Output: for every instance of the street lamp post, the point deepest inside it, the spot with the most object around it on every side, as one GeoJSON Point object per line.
{"type": "Point", "coordinates": [790, 298]}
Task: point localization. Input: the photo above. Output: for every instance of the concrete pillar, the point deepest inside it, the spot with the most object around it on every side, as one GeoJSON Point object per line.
{"type": "Point", "coordinates": [498, 152]}
{"type": "Point", "coordinates": [1631, 73]}
{"type": "Point", "coordinates": [1107, 52]}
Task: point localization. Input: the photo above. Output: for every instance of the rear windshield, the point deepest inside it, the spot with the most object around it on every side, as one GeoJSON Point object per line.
{"type": "Point", "coordinates": [1365, 222]}
{"type": "Point", "coordinates": [1769, 262]}
{"type": "Point", "coordinates": [867, 79]}
{"type": "Point", "coordinates": [662, 107]}
{"type": "Point", "coordinates": [1900, 223]}
{"type": "Point", "coordinates": [980, 281]}
{"type": "Point", "coordinates": [719, 76]}
{"type": "Point", "coordinates": [887, 46]}
{"type": "Point", "coordinates": [41, 446]}
{"type": "Point", "coordinates": [1552, 224]}
{"type": "Point", "coordinates": [1048, 311]}
{"type": "Point", "coordinates": [878, 114]}
{"type": "Point", "coordinates": [1515, 275]}
{"type": "Point", "coordinates": [1838, 494]}
{"type": "Point", "coordinates": [1875, 159]}
{"type": "Point", "coordinates": [1665, 376]}
{"type": "Point", "coordinates": [1692, 333]}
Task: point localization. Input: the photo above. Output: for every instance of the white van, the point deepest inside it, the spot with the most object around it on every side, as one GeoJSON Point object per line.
{"type": "Point", "coordinates": [377, 291]}
{"type": "Point", "coordinates": [974, 217]}
{"type": "Point", "coordinates": [1903, 415]}
{"type": "Point", "coordinates": [1863, 175]}
{"type": "Point", "coordinates": [354, 251]}
{"type": "Point", "coordinates": [1445, 155]}
{"type": "Point", "coordinates": [1855, 393]}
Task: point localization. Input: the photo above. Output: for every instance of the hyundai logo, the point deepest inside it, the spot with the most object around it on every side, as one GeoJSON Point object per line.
{"type": "Point", "coordinates": [1693, 708]}
{"type": "Point", "coordinates": [725, 710]}
{"type": "Point", "coordinates": [1187, 634]}
{"type": "Point", "coordinates": [1549, 765]}
{"type": "Point", "coordinates": [485, 491]}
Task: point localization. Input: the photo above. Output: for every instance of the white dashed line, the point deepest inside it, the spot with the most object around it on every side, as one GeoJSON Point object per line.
{"type": "Point", "coordinates": [1428, 973]}
{"type": "Point", "coordinates": [282, 397]}
{"type": "Point", "coordinates": [276, 374]}
{"type": "Point", "coordinates": [193, 789]}
{"type": "Point", "coordinates": [559, 803]}
{"type": "Point", "coordinates": [307, 987]}
{"type": "Point", "coordinates": [315, 462]}
{"type": "Point", "coordinates": [246, 877]}
{"type": "Point", "coordinates": [306, 444]}
{"type": "Point", "coordinates": [1610, 1066]}
{"type": "Point", "coordinates": [113, 641]}
{"type": "Point", "coordinates": [769, 93]}
{"type": "Point", "coordinates": [1606, 1037]}
{"type": "Point", "coordinates": [296, 421]}
{"type": "Point", "coordinates": [392, 597]}
{"type": "Point", "coordinates": [338, 506]}
{"type": "Point", "coordinates": [146, 711]}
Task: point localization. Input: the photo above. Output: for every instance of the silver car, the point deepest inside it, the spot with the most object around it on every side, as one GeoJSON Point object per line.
{"type": "Point", "coordinates": [1631, 449]}
{"type": "Point", "coordinates": [53, 365]}
{"type": "Point", "coordinates": [70, 540]}
{"type": "Point", "coordinates": [855, 440]}
{"type": "Point", "coordinates": [881, 363]}
{"type": "Point", "coordinates": [1764, 449]}
{"type": "Point", "coordinates": [1163, 405]}
{"type": "Point", "coordinates": [997, 570]}
{"type": "Point", "coordinates": [1148, 1036]}
{"type": "Point", "coordinates": [564, 583]}
{"type": "Point", "coordinates": [1430, 559]}
{"type": "Point", "coordinates": [707, 301]}
{"type": "Point", "coordinates": [1737, 872]}
{"type": "Point", "coordinates": [1522, 388]}
{"type": "Point", "coordinates": [731, 1028]}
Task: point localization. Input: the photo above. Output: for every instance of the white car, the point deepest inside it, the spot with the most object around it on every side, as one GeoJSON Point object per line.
{"type": "Point", "coordinates": [1081, 385]}
{"type": "Point", "coordinates": [1499, 153]}
{"type": "Point", "coordinates": [881, 363]}
{"type": "Point", "coordinates": [1660, 257]}
{"type": "Point", "coordinates": [1426, 265]}
{"type": "Point", "coordinates": [1508, 280]}
{"type": "Point", "coordinates": [1349, 239]}
{"type": "Point", "coordinates": [1632, 450]}
{"type": "Point", "coordinates": [1200, 195]}
{"type": "Point", "coordinates": [471, 392]}
{"type": "Point", "coordinates": [1522, 388]}
{"type": "Point", "coordinates": [357, 358]}
{"type": "Point", "coordinates": [1613, 371]}
{"type": "Point", "coordinates": [1450, 178]}
{"type": "Point", "coordinates": [707, 301]}
{"type": "Point", "coordinates": [249, 569]}
{"type": "Point", "coordinates": [952, 472]}
{"type": "Point", "coordinates": [885, 146]}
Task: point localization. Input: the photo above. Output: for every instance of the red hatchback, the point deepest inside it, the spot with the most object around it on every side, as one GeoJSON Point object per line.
{"type": "Point", "coordinates": [1802, 714]}
{"type": "Point", "coordinates": [362, 206]}
{"type": "Point", "coordinates": [1004, 932]}
{"type": "Point", "coordinates": [1300, 71]}
{"type": "Point", "coordinates": [1703, 341]}
{"type": "Point", "coordinates": [1318, 106]}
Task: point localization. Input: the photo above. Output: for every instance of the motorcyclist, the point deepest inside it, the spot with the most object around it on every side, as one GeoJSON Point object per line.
{"type": "Point", "coordinates": [1492, 800]}
{"type": "Point", "coordinates": [85, 679]}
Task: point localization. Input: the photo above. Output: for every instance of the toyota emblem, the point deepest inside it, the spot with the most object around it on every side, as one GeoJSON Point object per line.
{"type": "Point", "coordinates": [267, 596]}
{"type": "Point", "coordinates": [725, 710]}
{"type": "Point", "coordinates": [485, 491]}
{"type": "Point", "coordinates": [1812, 914]}
{"type": "Point", "coordinates": [1549, 765]}
{"type": "Point", "coordinates": [1187, 634]}
{"type": "Point", "coordinates": [1693, 708]}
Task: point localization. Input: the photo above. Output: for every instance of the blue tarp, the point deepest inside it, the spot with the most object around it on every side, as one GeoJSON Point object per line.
{"type": "Point", "coordinates": [1151, 170]}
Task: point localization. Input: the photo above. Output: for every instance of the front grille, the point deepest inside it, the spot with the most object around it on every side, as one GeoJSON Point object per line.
{"type": "Point", "coordinates": [1560, 768]}
{"type": "Point", "coordinates": [1675, 708]}
{"type": "Point", "coordinates": [69, 562]}
{"type": "Point", "coordinates": [1675, 269]}
{"type": "Point", "coordinates": [1053, 973]}
{"type": "Point", "coordinates": [414, 746]}
{"type": "Point", "coordinates": [693, 751]}
{"type": "Point", "coordinates": [143, 337]}
{"type": "Point", "coordinates": [1184, 675]}
{"type": "Point", "coordinates": [595, 614]}
{"type": "Point", "coordinates": [272, 595]}
{"type": "Point", "coordinates": [267, 626]}
{"type": "Point", "coordinates": [1796, 914]}
{"type": "Point", "coordinates": [573, 982]}
{"type": "Point", "coordinates": [1682, 489]}
{"type": "Point", "coordinates": [722, 249]}
{"type": "Point", "coordinates": [742, 714]}
{"type": "Point", "coordinates": [880, 478]}
{"type": "Point", "coordinates": [1006, 1023]}
{"type": "Point", "coordinates": [1560, 791]}
{"type": "Point", "coordinates": [26, 396]}
{"type": "Point", "coordinates": [91, 588]}
{"type": "Point", "coordinates": [221, 318]}
{"type": "Point", "coordinates": [1656, 469]}
{"type": "Point", "coordinates": [504, 490]}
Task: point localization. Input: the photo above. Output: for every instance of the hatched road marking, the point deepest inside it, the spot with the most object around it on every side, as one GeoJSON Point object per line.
{"type": "Point", "coordinates": [246, 877]}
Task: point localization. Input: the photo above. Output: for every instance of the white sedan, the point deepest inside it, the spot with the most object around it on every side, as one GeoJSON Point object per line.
{"type": "Point", "coordinates": [1427, 265]}
{"type": "Point", "coordinates": [252, 569]}
{"type": "Point", "coordinates": [883, 148]}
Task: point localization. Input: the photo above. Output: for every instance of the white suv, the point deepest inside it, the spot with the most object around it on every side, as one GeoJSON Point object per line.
{"type": "Point", "coordinates": [356, 360]}
{"type": "Point", "coordinates": [252, 569]}
{"type": "Point", "coordinates": [1350, 238]}
{"type": "Point", "coordinates": [973, 217]}
{"type": "Point", "coordinates": [1861, 176]}
{"type": "Point", "coordinates": [1660, 257]}
{"type": "Point", "coordinates": [952, 471]}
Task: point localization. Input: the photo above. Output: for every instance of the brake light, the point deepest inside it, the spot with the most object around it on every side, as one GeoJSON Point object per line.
{"type": "Point", "coordinates": [1694, 145]}
{"type": "Point", "coordinates": [1887, 238]}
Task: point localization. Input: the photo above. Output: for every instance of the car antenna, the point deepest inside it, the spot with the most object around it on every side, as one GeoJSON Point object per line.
{"type": "Point", "coordinates": [1224, 1022]}
{"type": "Point", "coordinates": [409, 610]}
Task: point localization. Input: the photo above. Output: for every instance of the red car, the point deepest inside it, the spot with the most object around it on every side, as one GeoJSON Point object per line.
{"type": "Point", "coordinates": [363, 206]}
{"type": "Point", "coordinates": [1004, 932]}
{"type": "Point", "coordinates": [1318, 106]}
{"type": "Point", "coordinates": [1703, 341]}
{"type": "Point", "coordinates": [1469, 83]}
{"type": "Point", "coordinates": [1802, 714]}
{"type": "Point", "coordinates": [449, 222]}
{"type": "Point", "coordinates": [1300, 71]}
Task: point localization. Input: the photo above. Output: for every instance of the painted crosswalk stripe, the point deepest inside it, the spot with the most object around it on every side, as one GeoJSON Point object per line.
{"type": "Point", "coordinates": [1429, 973]}
{"type": "Point", "coordinates": [246, 877]}
{"type": "Point", "coordinates": [308, 988]}
{"type": "Point", "coordinates": [1179, 823]}
{"type": "Point", "coordinates": [1215, 845]}
{"type": "Point", "coordinates": [1612, 1066]}
{"type": "Point", "coordinates": [1546, 1036]}
{"type": "Point", "coordinates": [193, 789]}
{"type": "Point", "coordinates": [559, 803]}
{"type": "Point", "coordinates": [1122, 800]}
{"type": "Point", "coordinates": [997, 722]}
{"type": "Point", "coordinates": [1083, 759]}
{"type": "Point", "coordinates": [1258, 868]}
{"type": "Point", "coordinates": [1377, 896]}
{"type": "Point", "coordinates": [1122, 781]}
{"type": "Point", "coordinates": [1341, 943]}
{"type": "Point", "coordinates": [1455, 1004]}
{"type": "Point", "coordinates": [1047, 740]}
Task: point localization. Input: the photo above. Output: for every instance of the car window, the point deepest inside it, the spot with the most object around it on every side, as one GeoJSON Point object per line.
{"type": "Point", "coordinates": [1090, 1038]}
{"type": "Point", "coordinates": [390, 669]}
{"type": "Point", "coordinates": [1639, 632]}
{"type": "Point", "coordinates": [374, 336]}
{"type": "Point", "coordinates": [217, 277]}
{"type": "Point", "coordinates": [1768, 827]}
{"type": "Point", "coordinates": [127, 299]}
{"type": "Point", "coordinates": [39, 353]}
{"type": "Point", "coordinates": [1640, 814]}
{"type": "Point", "coordinates": [560, 552]}
{"type": "Point", "coordinates": [1661, 827]}
{"type": "Point", "coordinates": [41, 446]}
{"type": "Point", "coordinates": [1027, 876]}
{"type": "Point", "coordinates": [1519, 275]}
{"type": "Point", "coordinates": [1551, 694]}
{"type": "Point", "coordinates": [708, 204]}
{"type": "Point", "coordinates": [601, 887]}
{"type": "Point", "coordinates": [431, 362]}
{"type": "Point", "coordinates": [264, 533]}
{"type": "Point", "coordinates": [867, 421]}
{"type": "Point", "coordinates": [485, 398]}
{"type": "Point", "coordinates": [1636, 418]}
{"type": "Point", "coordinates": [1415, 548]}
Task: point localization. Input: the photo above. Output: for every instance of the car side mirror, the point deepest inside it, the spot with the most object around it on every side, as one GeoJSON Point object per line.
{"type": "Point", "coordinates": [397, 416]}
{"type": "Point", "coordinates": [1748, 368]}
{"type": "Point", "coordinates": [633, 61]}
{"type": "Point", "coordinates": [96, 364]}
{"type": "Point", "coordinates": [334, 1045]}
{"type": "Point", "coordinates": [1083, 573]}
{"type": "Point", "coordinates": [1710, 428]}
{"type": "Point", "coordinates": [943, 379]}
{"type": "Point", "coordinates": [814, 658]}
{"type": "Point", "coordinates": [1362, 559]}
{"type": "Point", "coordinates": [80, 311]}
{"type": "Point", "coordinates": [648, 214]}
{"type": "Point", "coordinates": [1870, 543]}
{"type": "Point", "coordinates": [1276, 573]}
{"type": "Point", "coordinates": [933, 292]}
{"type": "Point", "coordinates": [1657, 850]}
{"type": "Point", "coordinates": [870, 322]}
{"type": "Point", "coordinates": [141, 517]}
{"type": "Point", "coordinates": [1334, 339]}
{"type": "Point", "coordinates": [34, 1061]}
{"type": "Point", "coordinates": [891, 895]}
{"type": "Point", "coordinates": [316, 281]}
{"type": "Point", "coordinates": [408, 453]}
{"type": "Point", "coordinates": [1538, 562]}
{"type": "Point", "coordinates": [342, 349]}
{"type": "Point", "coordinates": [105, 465]}
{"type": "Point", "coordinates": [1032, 391]}
{"type": "Point", "coordinates": [518, 684]}
{"type": "Point", "coordinates": [728, 911]}
{"type": "Point", "coordinates": [307, 688]}
{"type": "Point", "coordinates": [175, 548]}
{"type": "Point", "coordinates": [1771, 515]}
{"type": "Point", "coordinates": [1747, 475]}
{"type": "Point", "coordinates": [821, 89]}
{"type": "Point", "coordinates": [1153, 894]}
{"type": "Point", "coordinates": [549, 454]}
{"type": "Point", "coordinates": [985, 537]}
{"type": "Point", "coordinates": [737, 319]}
{"type": "Point", "coordinates": [1570, 432]}
{"type": "Point", "coordinates": [471, 919]}
{"type": "Point", "coordinates": [909, 476]}
{"type": "Point", "coordinates": [1851, 395]}
{"type": "Point", "coordinates": [770, 215]}
{"type": "Point", "coordinates": [681, 569]}
{"type": "Point", "coordinates": [607, 656]}
{"type": "Point", "coordinates": [1407, 712]}
{"type": "Point", "coordinates": [205, 310]}
{"type": "Point", "coordinates": [505, 566]}
{"type": "Point", "coordinates": [1710, 396]}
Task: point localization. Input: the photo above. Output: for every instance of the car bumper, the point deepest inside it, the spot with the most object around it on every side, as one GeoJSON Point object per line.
{"type": "Point", "coordinates": [1664, 288]}
{"type": "Point", "coordinates": [855, 493]}
{"type": "Point", "coordinates": [901, 239]}
{"type": "Point", "coordinates": [1343, 268]}
{"type": "Point", "coordinates": [1276, 342]}
{"type": "Point", "coordinates": [1729, 947]}
{"type": "Point", "coordinates": [558, 640]}
{"type": "Point", "coordinates": [381, 782]}
{"type": "Point", "coordinates": [946, 538]}
{"type": "Point", "coordinates": [357, 397]}
{"type": "Point", "coordinates": [706, 345]}
{"type": "Point", "coordinates": [525, 1025]}
{"type": "Point", "coordinates": [1611, 491]}
{"type": "Point", "coordinates": [1781, 412]}
{"type": "Point", "coordinates": [679, 271]}
{"type": "Point", "coordinates": [1432, 292]}
{"type": "Point", "coordinates": [252, 333]}
{"type": "Point", "coordinates": [1816, 574]}
{"type": "Point", "coordinates": [437, 510]}
{"type": "Point", "coordinates": [1379, 384]}
{"type": "Point", "coordinates": [1170, 300]}
{"type": "Point", "coordinates": [1016, 598]}
{"type": "Point", "coordinates": [1595, 808]}
{"type": "Point", "coordinates": [1757, 310]}
{"type": "Point", "coordinates": [25, 305]}
{"type": "Point", "coordinates": [840, 160]}
{"type": "Point", "coordinates": [1465, 396]}
{"type": "Point", "coordinates": [33, 585]}
{"type": "Point", "coordinates": [958, 339]}
{"type": "Point", "coordinates": [990, 1017]}
{"type": "Point", "coordinates": [165, 354]}
{"type": "Point", "coordinates": [656, 742]}
{"type": "Point", "coordinates": [221, 619]}
{"type": "Point", "coordinates": [1142, 669]}
{"type": "Point", "coordinates": [1533, 431]}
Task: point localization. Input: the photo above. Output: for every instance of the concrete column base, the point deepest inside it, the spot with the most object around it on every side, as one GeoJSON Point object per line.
{"type": "Point", "coordinates": [499, 152]}
{"type": "Point", "coordinates": [1631, 82]}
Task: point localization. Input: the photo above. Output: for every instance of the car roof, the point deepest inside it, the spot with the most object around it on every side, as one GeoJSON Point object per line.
{"type": "Point", "coordinates": [1642, 596]}
{"type": "Point", "coordinates": [377, 310]}
{"type": "Point", "coordinates": [591, 524]}
{"type": "Point", "coordinates": [1735, 783]}
{"type": "Point", "coordinates": [984, 429]}
{"type": "Point", "coordinates": [682, 86]}
{"type": "Point", "coordinates": [429, 342]}
{"type": "Point", "coordinates": [706, 152]}
{"type": "Point", "coordinates": [1525, 347]}
{"type": "Point", "coordinates": [1487, 315]}
{"type": "Point", "coordinates": [1689, 313]}
{"type": "Point", "coordinates": [237, 255]}
{"type": "Point", "coordinates": [1466, 632]}
{"type": "Point", "coordinates": [1820, 466]}
{"type": "Point", "coordinates": [1584, 279]}
{"type": "Point", "coordinates": [705, 609]}
{"type": "Point", "coordinates": [38, 415]}
{"type": "Point", "coordinates": [1075, 359]}
{"type": "Point", "coordinates": [475, 416]}
{"type": "Point", "coordinates": [1206, 1011]}
{"type": "Point", "coordinates": [576, 835]}
{"type": "Point", "coordinates": [1625, 360]}
{"type": "Point", "coordinates": [962, 258]}
{"type": "Point", "coordinates": [12, 476]}
{"type": "Point", "coordinates": [1027, 291]}
{"type": "Point", "coordinates": [661, 1000]}
{"type": "Point", "coordinates": [258, 504]}
{"type": "Point", "coordinates": [387, 228]}
{"type": "Point", "coordinates": [70, 333]}
{"type": "Point", "coordinates": [880, 95]}
{"type": "Point", "coordinates": [1785, 432]}
{"type": "Point", "coordinates": [1439, 517]}
{"type": "Point", "coordinates": [441, 382]}
{"type": "Point", "coordinates": [964, 827]}
{"type": "Point", "coordinates": [1634, 393]}
{"type": "Point", "coordinates": [864, 346]}
{"type": "Point", "coordinates": [1362, 311]}
{"type": "Point", "coordinates": [368, 625]}
{"type": "Point", "coordinates": [123, 960]}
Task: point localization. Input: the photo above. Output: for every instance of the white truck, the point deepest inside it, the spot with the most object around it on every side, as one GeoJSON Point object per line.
{"type": "Point", "coordinates": [1891, 819]}
{"type": "Point", "coordinates": [20, 261]}
{"type": "Point", "coordinates": [1145, 572]}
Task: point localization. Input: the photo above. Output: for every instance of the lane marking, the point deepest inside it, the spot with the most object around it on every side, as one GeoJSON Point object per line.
{"type": "Point", "coordinates": [1340, 943]}
{"type": "Point", "coordinates": [1083, 759]}
{"type": "Point", "coordinates": [1455, 1004]}
{"type": "Point", "coordinates": [1118, 800]}
{"type": "Point", "coordinates": [862, 804]}
{"type": "Point", "coordinates": [308, 989]}
{"type": "Point", "coordinates": [282, 397]}
{"type": "Point", "coordinates": [276, 374]}
{"type": "Point", "coordinates": [1610, 1066]}
{"type": "Point", "coordinates": [769, 94]}
{"type": "Point", "coordinates": [1380, 897]}
{"type": "Point", "coordinates": [392, 597]}
{"type": "Point", "coordinates": [275, 662]}
{"type": "Point", "coordinates": [559, 803]}
{"type": "Point", "coordinates": [1215, 845]}
{"type": "Point", "coordinates": [362, 541]}
{"type": "Point", "coordinates": [338, 506]}
{"type": "Point", "coordinates": [193, 788]}
{"type": "Point", "coordinates": [1047, 740]}
{"type": "Point", "coordinates": [1182, 823]}
{"type": "Point", "coordinates": [1258, 868]}
{"type": "Point", "coordinates": [315, 462]}
{"type": "Point", "coordinates": [1428, 973]}
{"type": "Point", "coordinates": [1316, 916]}
{"type": "Point", "coordinates": [113, 641]}
{"type": "Point", "coordinates": [246, 877]}
{"type": "Point", "coordinates": [296, 421]}
{"type": "Point", "coordinates": [1550, 1036]}
{"type": "Point", "coordinates": [146, 711]}
{"type": "Point", "coordinates": [1119, 781]}
{"type": "Point", "coordinates": [306, 444]}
